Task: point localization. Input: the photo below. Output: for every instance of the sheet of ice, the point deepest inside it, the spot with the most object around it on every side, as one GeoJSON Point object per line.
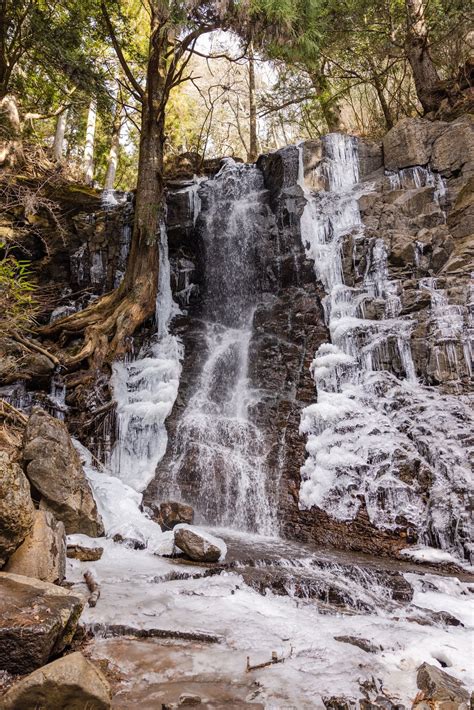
{"type": "Point", "coordinates": [422, 553]}
{"type": "Point", "coordinates": [134, 592]}
{"type": "Point", "coordinates": [119, 505]}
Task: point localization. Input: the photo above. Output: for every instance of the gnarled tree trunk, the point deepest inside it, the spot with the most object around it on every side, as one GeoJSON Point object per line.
{"type": "Point", "coordinates": [329, 105]}
{"type": "Point", "coordinates": [425, 74]}
{"type": "Point", "coordinates": [109, 323]}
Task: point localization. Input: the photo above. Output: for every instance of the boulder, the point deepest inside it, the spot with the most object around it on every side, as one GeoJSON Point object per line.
{"type": "Point", "coordinates": [461, 217]}
{"type": "Point", "coordinates": [363, 644]}
{"type": "Point", "coordinates": [409, 143]}
{"type": "Point", "coordinates": [172, 513]}
{"type": "Point", "coordinates": [198, 546]}
{"type": "Point", "coordinates": [71, 682]}
{"type": "Point", "coordinates": [37, 621]}
{"type": "Point", "coordinates": [16, 507]}
{"type": "Point", "coordinates": [54, 469]}
{"type": "Point", "coordinates": [439, 690]}
{"type": "Point", "coordinates": [43, 552]}
{"type": "Point", "coordinates": [370, 156]}
{"type": "Point", "coordinates": [453, 150]}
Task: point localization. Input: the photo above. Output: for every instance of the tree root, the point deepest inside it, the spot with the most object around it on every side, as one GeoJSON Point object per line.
{"type": "Point", "coordinates": [7, 410]}
{"type": "Point", "coordinates": [32, 345]}
{"type": "Point", "coordinates": [107, 326]}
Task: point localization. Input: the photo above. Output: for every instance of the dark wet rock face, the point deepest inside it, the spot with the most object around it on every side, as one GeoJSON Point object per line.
{"type": "Point", "coordinates": [418, 205]}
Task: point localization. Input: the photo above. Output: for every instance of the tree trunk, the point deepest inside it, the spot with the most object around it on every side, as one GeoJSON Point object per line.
{"type": "Point", "coordinates": [114, 150]}
{"type": "Point", "coordinates": [425, 74]}
{"type": "Point", "coordinates": [58, 143]}
{"type": "Point", "coordinates": [329, 105]}
{"type": "Point", "coordinates": [88, 158]}
{"type": "Point", "coordinates": [109, 323]}
{"type": "Point", "coordinates": [11, 150]}
{"type": "Point", "coordinates": [378, 86]}
{"type": "Point", "coordinates": [253, 145]}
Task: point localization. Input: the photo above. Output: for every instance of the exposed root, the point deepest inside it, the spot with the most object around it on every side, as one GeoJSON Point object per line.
{"type": "Point", "coordinates": [107, 326]}
{"type": "Point", "coordinates": [32, 345]}
{"type": "Point", "coordinates": [8, 411]}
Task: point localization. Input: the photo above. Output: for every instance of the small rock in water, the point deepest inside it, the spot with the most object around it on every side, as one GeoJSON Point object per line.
{"type": "Point", "coordinates": [173, 513]}
{"type": "Point", "coordinates": [439, 690]}
{"type": "Point", "coordinates": [69, 682]}
{"type": "Point", "coordinates": [130, 542]}
{"type": "Point", "coordinates": [84, 554]}
{"type": "Point", "coordinates": [364, 644]}
{"type": "Point", "coordinates": [199, 546]}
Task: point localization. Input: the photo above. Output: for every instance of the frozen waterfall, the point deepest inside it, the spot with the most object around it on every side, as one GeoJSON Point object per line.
{"type": "Point", "coordinates": [375, 436]}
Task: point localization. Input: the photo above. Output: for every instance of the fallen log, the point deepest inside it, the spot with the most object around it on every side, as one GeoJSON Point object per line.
{"type": "Point", "coordinates": [114, 630]}
{"type": "Point", "coordinates": [93, 587]}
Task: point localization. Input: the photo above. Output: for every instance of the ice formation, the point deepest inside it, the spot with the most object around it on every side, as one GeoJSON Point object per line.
{"type": "Point", "coordinates": [370, 424]}
{"type": "Point", "coordinates": [145, 389]}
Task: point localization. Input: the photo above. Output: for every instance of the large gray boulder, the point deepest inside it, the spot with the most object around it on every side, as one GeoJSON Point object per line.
{"type": "Point", "coordinates": [43, 552]}
{"type": "Point", "coordinates": [410, 142]}
{"type": "Point", "coordinates": [70, 683]}
{"type": "Point", "coordinates": [197, 545]}
{"type": "Point", "coordinates": [453, 150]}
{"type": "Point", "coordinates": [439, 690]}
{"type": "Point", "coordinates": [54, 469]}
{"type": "Point", "coordinates": [16, 507]}
{"type": "Point", "coordinates": [37, 621]}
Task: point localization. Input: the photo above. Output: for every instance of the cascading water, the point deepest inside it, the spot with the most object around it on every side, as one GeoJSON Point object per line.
{"type": "Point", "coordinates": [145, 390]}
{"type": "Point", "coordinates": [216, 445]}
{"type": "Point", "coordinates": [375, 436]}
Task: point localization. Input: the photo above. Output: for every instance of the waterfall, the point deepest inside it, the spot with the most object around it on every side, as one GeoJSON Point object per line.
{"type": "Point", "coordinates": [217, 449]}
{"type": "Point", "coordinates": [145, 389]}
{"type": "Point", "coordinates": [375, 436]}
